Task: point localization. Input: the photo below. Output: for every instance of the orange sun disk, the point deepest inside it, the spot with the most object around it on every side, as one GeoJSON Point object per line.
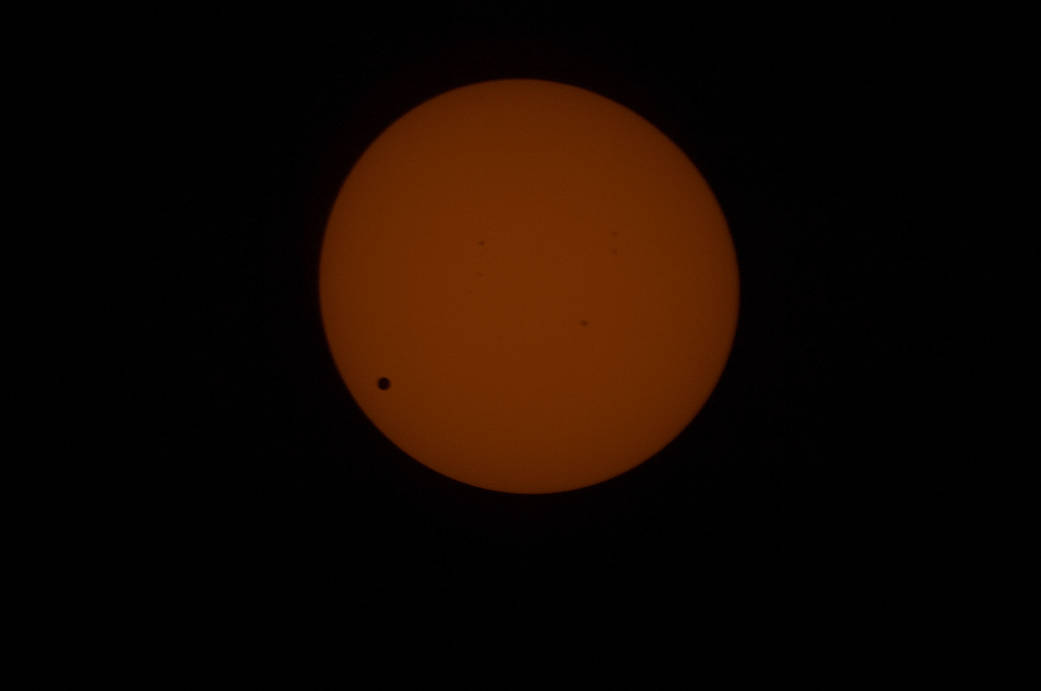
{"type": "Point", "coordinates": [527, 287]}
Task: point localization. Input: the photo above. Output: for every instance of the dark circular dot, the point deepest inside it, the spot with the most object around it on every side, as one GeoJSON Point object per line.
{"type": "Point", "coordinates": [383, 383]}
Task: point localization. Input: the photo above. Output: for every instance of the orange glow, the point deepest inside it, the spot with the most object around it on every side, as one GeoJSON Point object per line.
{"type": "Point", "coordinates": [527, 287]}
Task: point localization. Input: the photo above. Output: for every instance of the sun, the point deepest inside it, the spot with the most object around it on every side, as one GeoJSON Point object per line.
{"type": "Point", "coordinates": [528, 287]}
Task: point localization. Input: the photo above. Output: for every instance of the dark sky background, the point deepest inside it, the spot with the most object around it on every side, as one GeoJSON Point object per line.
{"type": "Point", "coordinates": [812, 462]}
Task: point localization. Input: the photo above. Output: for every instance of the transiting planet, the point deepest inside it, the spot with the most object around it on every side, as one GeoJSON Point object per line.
{"type": "Point", "coordinates": [527, 287]}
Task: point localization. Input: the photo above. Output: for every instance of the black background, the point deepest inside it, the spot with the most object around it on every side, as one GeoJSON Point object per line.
{"type": "Point", "coordinates": [812, 461]}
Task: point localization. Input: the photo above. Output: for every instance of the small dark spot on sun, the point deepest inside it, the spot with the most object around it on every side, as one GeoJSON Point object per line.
{"type": "Point", "coordinates": [583, 322]}
{"type": "Point", "coordinates": [383, 383]}
{"type": "Point", "coordinates": [480, 274]}
{"type": "Point", "coordinates": [481, 243]}
{"type": "Point", "coordinates": [614, 233]}
{"type": "Point", "coordinates": [614, 250]}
